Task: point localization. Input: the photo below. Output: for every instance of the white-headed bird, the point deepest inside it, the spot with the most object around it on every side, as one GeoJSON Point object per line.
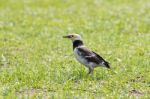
{"type": "Point", "coordinates": [84, 55]}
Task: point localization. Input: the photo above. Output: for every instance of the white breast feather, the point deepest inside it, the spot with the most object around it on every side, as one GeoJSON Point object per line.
{"type": "Point", "coordinates": [79, 58]}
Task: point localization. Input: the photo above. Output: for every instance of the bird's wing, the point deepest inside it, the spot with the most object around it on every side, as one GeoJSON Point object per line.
{"type": "Point", "coordinates": [103, 62]}
{"type": "Point", "coordinates": [90, 55]}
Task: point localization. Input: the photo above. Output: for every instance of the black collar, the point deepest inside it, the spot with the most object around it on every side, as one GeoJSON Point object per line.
{"type": "Point", "coordinates": [77, 43]}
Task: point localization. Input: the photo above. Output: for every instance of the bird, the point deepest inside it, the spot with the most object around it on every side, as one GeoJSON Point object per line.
{"type": "Point", "coordinates": [85, 56]}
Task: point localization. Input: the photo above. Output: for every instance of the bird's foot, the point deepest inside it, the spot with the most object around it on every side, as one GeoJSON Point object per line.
{"type": "Point", "coordinates": [90, 71]}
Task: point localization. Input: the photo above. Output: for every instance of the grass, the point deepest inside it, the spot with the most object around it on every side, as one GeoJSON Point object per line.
{"type": "Point", "coordinates": [36, 62]}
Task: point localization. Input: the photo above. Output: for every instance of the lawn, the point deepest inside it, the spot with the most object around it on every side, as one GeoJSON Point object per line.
{"type": "Point", "coordinates": [36, 62]}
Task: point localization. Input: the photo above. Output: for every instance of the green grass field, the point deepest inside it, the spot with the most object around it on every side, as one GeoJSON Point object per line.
{"type": "Point", "coordinates": [36, 62]}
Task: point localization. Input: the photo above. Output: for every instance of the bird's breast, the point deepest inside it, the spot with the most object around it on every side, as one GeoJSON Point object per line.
{"type": "Point", "coordinates": [79, 57]}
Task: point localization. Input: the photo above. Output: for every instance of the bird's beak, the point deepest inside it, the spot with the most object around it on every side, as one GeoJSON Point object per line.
{"type": "Point", "coordinates": [66, 36]}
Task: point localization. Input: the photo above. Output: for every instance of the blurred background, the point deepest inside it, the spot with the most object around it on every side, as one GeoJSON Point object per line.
{"type": "Point", "coordinates": [36, 61]}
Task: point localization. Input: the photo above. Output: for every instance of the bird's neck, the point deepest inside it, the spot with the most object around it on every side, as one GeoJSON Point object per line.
{"type": "Point", "coordinates": [77, 43]}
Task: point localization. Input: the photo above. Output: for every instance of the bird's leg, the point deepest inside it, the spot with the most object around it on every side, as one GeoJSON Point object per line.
{"type": "Point", "coordinates": [90, 70]}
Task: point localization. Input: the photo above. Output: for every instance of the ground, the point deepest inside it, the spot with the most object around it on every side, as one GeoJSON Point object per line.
{"type": "Point", "coordinates": [36, 62]}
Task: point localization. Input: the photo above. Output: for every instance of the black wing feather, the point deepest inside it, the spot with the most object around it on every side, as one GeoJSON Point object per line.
{"type": "Point", "coordinates": [92, 56]}
{"type": "Point", "coordinates": [104, 62]}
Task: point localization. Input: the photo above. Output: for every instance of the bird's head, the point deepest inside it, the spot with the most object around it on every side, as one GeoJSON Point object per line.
{"type": "Point", "coordinates": [73, 37]}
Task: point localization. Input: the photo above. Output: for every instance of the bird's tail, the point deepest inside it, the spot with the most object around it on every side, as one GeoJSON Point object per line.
{"type": "Point", "coordinates": [106, 64]}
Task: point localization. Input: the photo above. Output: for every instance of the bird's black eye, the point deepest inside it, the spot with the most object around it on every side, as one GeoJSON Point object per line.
{"type": "Point", "coordinates": [71, 36]}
